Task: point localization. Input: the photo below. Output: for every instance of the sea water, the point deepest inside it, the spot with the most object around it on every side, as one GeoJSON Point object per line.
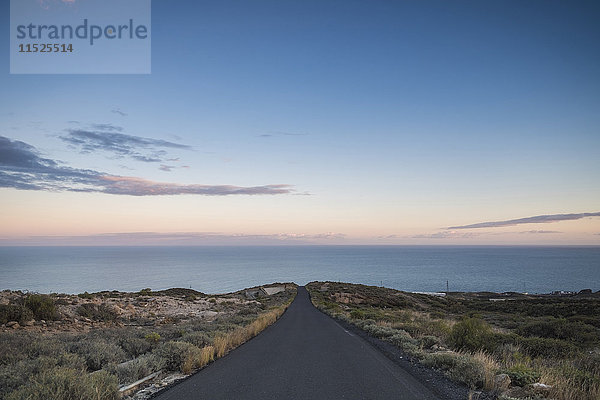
{"type": "Point", "coordinates": [222, 269]}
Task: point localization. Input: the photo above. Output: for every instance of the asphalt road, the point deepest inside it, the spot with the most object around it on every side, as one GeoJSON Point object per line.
{"type": "Point", "coordinates": [304, 355]}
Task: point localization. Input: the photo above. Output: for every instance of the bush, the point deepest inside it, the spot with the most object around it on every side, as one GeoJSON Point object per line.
{"type": "Point", "coordinates": [42, 306]}
{"type": "Point", "coordinates": [175, 356]}
{"type": "Point", "coordinates": [357, 314]}
{"type": "Point", "coordinates": [9, 312]}
{"type": "Point", "coordinates": [98, 353]}
{"type": "Point", "coordinates": [135, 369]}
{"type": "Point", "coordinates": [69, 384]}
{"type": "Point", "coordinates": [134, 346]}
{"type": "Point", "coordinates": [470, 334]}
{"type": "Point", "coordinates": [97, 312]}
{"type": "Point", "coordinates": [549, 348]}
{"type": "Point", "coordinates": [427, 342]}
{"type": "Point", "coordinates": [152, 337]}
{"type": "Point", "coordinates": [460, 367]}
{"type": "Point", "coordinates": [562, 329]}
{"type": "Point", "coordinates": [198, 339]}
{"type": "Point", "coordinates": [522, 375]}
{"type": "Point", "coordinates": [380, 331]}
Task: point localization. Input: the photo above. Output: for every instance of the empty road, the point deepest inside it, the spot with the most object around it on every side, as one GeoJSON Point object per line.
{"type": "Point", "coordinates": [304, 355]}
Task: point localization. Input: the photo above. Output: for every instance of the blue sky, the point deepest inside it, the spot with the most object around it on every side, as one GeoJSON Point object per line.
{"type": "Point", "coordinates": [387, 119]}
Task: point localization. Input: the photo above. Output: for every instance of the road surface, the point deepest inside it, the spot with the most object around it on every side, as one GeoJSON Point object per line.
{"type": "Point", "coordinates": [304, 355]}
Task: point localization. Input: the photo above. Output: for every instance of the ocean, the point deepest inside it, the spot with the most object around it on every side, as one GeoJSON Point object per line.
{"type": "Point", "coordinates": [222, 269]}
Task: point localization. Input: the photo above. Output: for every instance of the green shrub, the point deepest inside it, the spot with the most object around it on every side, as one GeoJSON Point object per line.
{"type": "Point", "coordinates": [427, 342]}
{"type": "Point", "coordinates": [172, 355]}
{"type": "Point", "coordinates": [42, 306]}
{"type": "Point", "coordinates": [97, 312]}
{"type": "Point", "coordinates": [135, 346]}
{"type": "Point", "coordinates": [152, 337]}
{"type": "Point", "coordinates": [380, 331]}
{"type": "Point", "coordinates": [10, 312]}
{"type": "Point", "coordinates": [522, 375]}
{"type": "Point", "coordinates": [198, 339]}
{"type": "Point", "coordinates": [357, 314]}
{"type": "Point", "coordinates": [562, 329]}
{"type": "Point", "coordinates": [549, 348]}
{"type": "Point", "coordinates": [135, 369]}
{"type": "Point", "coordinates": [470, 334]}
{"type": "Point", "coordinates": [85, 295]}
{"type": "Point", "coordinates": [460, 367]}
{"type": "Point", "coordinates": [146, 292]}
{"type": "Point", "coordinates": [98, 353]}
{"type": "Point", "coordinates": [69, 384]}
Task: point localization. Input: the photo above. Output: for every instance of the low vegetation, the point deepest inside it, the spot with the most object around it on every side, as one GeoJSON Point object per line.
{"type": "Point", "coordinates": [86, 346]}
{"type": "Point", "coordinates": [517, 346]}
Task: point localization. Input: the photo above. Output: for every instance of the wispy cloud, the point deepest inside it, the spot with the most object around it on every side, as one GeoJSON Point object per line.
{"type": "Point", "coordinates": [22, 167]}
{"type": "Point", "coordinates": [280, 133]}
{"type": "Point", "coordinates": [118, 111]}
{"type": "Point", "coordinates": [534, 232]}
{"type": "Point", "coordinates": [110, 139]}
{"type": "Point", "coordinates": [446, 235]}
{"type": "Point", "coordinates": [538, 219]}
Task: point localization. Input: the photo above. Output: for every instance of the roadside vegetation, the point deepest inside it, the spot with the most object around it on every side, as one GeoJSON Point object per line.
{"type": "Point", "coordinates": [88, 346]}
{"type": "Point", "coordinates": [514, 345]}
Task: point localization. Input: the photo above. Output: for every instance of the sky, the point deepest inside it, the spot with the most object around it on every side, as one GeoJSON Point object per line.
{"type": "Point", "coordinates": [316, 122]}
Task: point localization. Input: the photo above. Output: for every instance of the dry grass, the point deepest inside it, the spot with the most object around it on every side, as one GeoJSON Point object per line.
{"type": "Point", "coordinates": [569, 384]}
{"type": "Point", "coordinates": [490, 368]}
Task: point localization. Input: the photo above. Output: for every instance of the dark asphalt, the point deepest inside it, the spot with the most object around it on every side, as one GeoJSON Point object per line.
{"type": "Point", "coordinates": [304, 355]}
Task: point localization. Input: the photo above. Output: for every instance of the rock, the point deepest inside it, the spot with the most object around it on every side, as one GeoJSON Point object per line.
{"type": "Point", "coordinates": [502, 382]}
{"type": "Point", "coordinates": [12, 324]}
{"type": "Point", "coordinates": [31, 322]}
{"type": "Point", "coordinates": [540, 389]}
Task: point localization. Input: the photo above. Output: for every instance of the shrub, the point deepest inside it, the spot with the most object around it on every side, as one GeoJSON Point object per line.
{"type": "Point", "coordinates": [357, 314]}
{"type": "Point", "coordinates": [522, 375]}
{"type": "Point", "coordinates": [146, 292]}
{"type": "Point", "coordinates": [134, 346]}
{"type": "Point", "coordinates": [135, 369]}
{"type": "Point", "coordinates": [549, 348]}
{"type": "Point", "coordinates": [427, 342]}
{"type": "Point", "coordinates": [460, 367]}
{"type": "Point", "coordinates": [470, 334]}
{"type": "Point", "coordinates": [97, 312]}
{"type": "Point", "coordinates": [562, 329]}
{"type": "Point", "coordinates": [152, 337]}
{"type": "Point", "coordinates": [69, 384]}
{"type": "Point", "coordinates": [85, 295]}
{"type": "Point", "coordinates": [380, 331]}
{"type": "Point", "coordinates": [198, 339]}
{"type": "Point", "coordinates": [174, 356]}
{"type": "Point", "coordinates": [42, 306]}
{"type": "Point", "coordinates": [10, 312]}
{"type": "Point", "coordinates": [98, 353]}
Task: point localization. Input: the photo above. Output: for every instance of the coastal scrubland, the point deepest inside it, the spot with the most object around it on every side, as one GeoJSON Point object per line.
{"type": "Point", "coordinates": [511, 345]}
{"type": "Point", "coordinates": [92, 346]}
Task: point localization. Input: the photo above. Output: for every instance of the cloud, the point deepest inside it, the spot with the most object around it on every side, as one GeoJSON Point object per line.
{"type": "Point", "coordinates": [539, 232]}
{"type": "Point", "coordinates": [281, 133]}
{"type": "Point", "coordinates": [539, 219]}
{"type": "Point", "coordinates": [108, 138]}
{"type": "Point", "coordinates": [446, 235]}
{"type": "Point", "coordinates": [21, 167]}
{"type": "Point", "coordinates": [118, 111]}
